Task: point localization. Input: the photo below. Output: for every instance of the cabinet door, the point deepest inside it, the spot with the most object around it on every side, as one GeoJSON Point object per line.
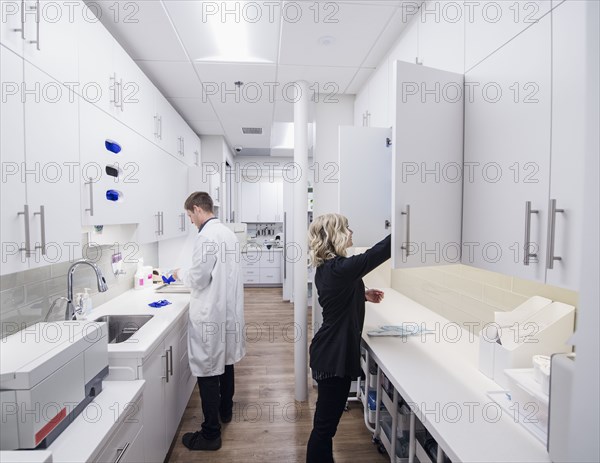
{"type": "Point", "coordinates": [154, 183]}
{"type": "Point", "coordinates": [97, 130]}
{"type": "Point", "coordinates": [568, 140]}
{"type": "Point", "coordinates": [12, 154]}
{"type": "Point", "coordinates": [172, 386]}
{"type": "Point", "coordinates": [96, 65]}
{"type": "Point", "coordinates": [434, 29]}
{"type": "Point", "coordinates": [167, 126]}
{"type": "Point", "coordinates": [136, 93]}
{"type": "Point", "coordinates": [51, 29]}
{"type": "Point", "coordinates": [186, 381]}
{"type": "Point", "coordinates": [368, 207]}
{"type": "Point", "coordinates": [250, 201]}
{"type": "Point", "coordinates": [175, 190]}
{"type": "Point", "coordinates": [361, 106]}
{"type": "Point", "coordinates": [154, 372]}
{"type": "Point", "coordinates": [12, 34]}
{"type": "Point", "coordinates": [268, 201]}
{"type": "Point", "coordinates": [279, 194]}
{"type": "Point", "coordinates": [127, 443]}
{"type": "Point", "coordinates": [427, 160]}
{"type": "Point", "coordinates": [52, 157]}
{"type": "Point", "coordinates": [507, 156]}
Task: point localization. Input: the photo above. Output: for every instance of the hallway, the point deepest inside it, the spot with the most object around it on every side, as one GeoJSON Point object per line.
{"type": "Point", "coordinates": [268, 425]}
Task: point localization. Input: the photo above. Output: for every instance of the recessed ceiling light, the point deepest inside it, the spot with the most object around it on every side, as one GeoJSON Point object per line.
{"type": "Point", "coordinates": [326, 40]}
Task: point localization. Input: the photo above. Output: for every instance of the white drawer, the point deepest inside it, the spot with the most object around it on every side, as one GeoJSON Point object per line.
{"type": "Point", "coordinates": [250, 280]}
{"type": "Point", "coordinates": [270, 259]}
{"type": "Point", "coordinates": [250, 261]}
{"type": "Point", "coordinates": [270, 276]}
{"type": "Point", "coordinates": [250, 272]}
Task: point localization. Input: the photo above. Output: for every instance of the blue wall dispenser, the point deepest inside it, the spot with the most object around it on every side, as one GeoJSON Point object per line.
{"type": "Point", "coordinates": [114, 195]}
{"type": "Point", "coordinates": [112, 146]}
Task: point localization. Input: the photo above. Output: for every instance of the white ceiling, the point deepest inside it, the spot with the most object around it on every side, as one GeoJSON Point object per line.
{"type": "Point", "coordinates": [173, 43]}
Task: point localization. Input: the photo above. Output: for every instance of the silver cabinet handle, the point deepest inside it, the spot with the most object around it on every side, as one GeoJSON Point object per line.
{"type": "Point", "coordinates": [197, 158]}
{"type": "Point", "coordinates": [550, 257]}
{"type": "Point", "coordinates": [155, 126]}
{"type": "Point", "coordinates": [121, 452]}
{"type": "Point", "coordinates": [170, 359]}
{"type": "Point", "coordinates": [182, 227]}
{"type": "Point", "coordinates": [387, 224]}
{"type": "Point", "coordinates": [162, 223]}
{"type": "Point", "coordinates": [90, 182]}
{"type": "Point", "coordinates": [527, 241]}
{"type": "Point", "coordinates": [27, 248]}
{"type": "Point", "coordinates": [119, 94]}
{"type": "Point", "coordinates": [37, 25]}
{"type": "Point", "coordinates": [157, 215]}
{"type": "Point", "coordinates": [42, 215]}
{"type": "Point", "coordinates": [284, 245]}
{"type": "Point", "coordinates": [407, 214]}
{"type": "Point", "coordinates": [114, 100]}
{"type": "Point", "coordinates": [182, 146]}
{"type": "Point", "coordinates": [166, 356]}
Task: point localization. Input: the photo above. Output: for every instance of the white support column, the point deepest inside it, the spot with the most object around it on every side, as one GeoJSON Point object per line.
{"type": "Point", "coordinates": [300, 237]}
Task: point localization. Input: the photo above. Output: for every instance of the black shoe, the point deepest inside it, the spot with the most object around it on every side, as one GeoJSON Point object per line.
{"type": "Point", "coordinates": [196, 441]}
{"type": "Point", "coordinates": [226, 418]}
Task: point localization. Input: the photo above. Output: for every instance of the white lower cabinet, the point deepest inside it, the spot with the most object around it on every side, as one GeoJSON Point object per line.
{"type": "Point", "coordinates": [165, 392]}
{"type": "Point", "coordinates": [262, 268]}
{"type": "Point", "coordinates": [127, 443]}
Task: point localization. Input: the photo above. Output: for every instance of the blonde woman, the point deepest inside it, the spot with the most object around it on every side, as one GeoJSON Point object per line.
{"type": "Point", "coordinates": [335, 348]}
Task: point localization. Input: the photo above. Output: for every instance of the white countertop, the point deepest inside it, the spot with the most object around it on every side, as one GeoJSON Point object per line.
{"type": "Point", "coordinates": [135, 302]}
{"type": "Point", "coordinates": [438, 373]}
{"type": "Point", "coordinates": [90, 431]}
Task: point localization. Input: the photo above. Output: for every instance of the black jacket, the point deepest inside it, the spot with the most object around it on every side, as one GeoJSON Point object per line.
{"type": "Point", "coordinates": [336, 346]}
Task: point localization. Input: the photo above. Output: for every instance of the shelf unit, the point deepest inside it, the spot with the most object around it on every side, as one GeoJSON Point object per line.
{"type": "Point", "coordinates": [392, 416]}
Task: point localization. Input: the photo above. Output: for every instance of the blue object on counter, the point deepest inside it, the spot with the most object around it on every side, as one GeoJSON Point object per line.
{"type": "Point", "coordinates": [112, 146]}
{"type": "Point", "coordinates": [160, 303]}
{"type": "Point", "coordinates": [169, 280]}
{"type": "Point", "coordinates": [112, 195]}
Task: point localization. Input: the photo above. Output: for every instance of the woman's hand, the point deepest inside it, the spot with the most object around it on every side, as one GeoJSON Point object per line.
{"type": "Point", "coordinates": [374, 295]}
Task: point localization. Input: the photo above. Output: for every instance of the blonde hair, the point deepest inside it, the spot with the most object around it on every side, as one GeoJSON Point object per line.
{"type": "Point", "coordinates": [328, 237]}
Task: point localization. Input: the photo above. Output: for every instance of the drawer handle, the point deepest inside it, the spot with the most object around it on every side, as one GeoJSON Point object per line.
{"type": "Point", "coordinates": [121, 452]}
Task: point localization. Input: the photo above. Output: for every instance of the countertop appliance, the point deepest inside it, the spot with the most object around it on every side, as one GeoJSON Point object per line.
{"type": "Point", "coordinates": [49, 372]}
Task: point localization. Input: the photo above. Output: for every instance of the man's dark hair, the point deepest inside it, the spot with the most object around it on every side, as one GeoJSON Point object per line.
{"type": "Point", "coordinates": [200, 199]}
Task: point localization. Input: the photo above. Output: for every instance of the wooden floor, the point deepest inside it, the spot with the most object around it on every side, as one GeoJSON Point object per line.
{"type": "Point", "coordinates": [268, 425]}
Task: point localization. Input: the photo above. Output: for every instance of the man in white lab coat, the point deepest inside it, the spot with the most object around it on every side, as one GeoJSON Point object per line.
{"type": "Point", "coordinates": [215, 334]}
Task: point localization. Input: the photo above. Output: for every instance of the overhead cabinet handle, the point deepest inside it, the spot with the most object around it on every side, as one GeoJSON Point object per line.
{"type": "Point", "coordinates": [550, 257]}
{"type": "Point", "coordinates": [42, 215]}
{"type": "Point", "coordinates": [90, 182]}
{"type": "Point", "coordinates": [527, 255]}
{"type": "Point", "coordinates": [406, 246]}
{"type": "Point", "coordinates": [37, 25]}
{"type": "Point", "coordinates": [27, 248]}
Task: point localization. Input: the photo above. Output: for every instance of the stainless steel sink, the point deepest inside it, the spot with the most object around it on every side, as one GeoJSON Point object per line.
{"type": "Point", "coordinates": [122, 327]}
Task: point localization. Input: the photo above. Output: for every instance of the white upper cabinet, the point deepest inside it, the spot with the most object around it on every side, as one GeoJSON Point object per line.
{"type": "Point", "coordinates": [491, 24]}
{"type": "Point", "coordinates": [427, 148]}
{"type": "Point", "coordinates": [51, 30]}
{"type": "Point", "coordinates": [250, 199]}
{"type": "Point", "coordinates": [368, 207]}
{"type": "Point", "coordinates": [569, 94]}
{"type": "Point", "coordinates": [111, 166]}
{"type": "Point", "coordinates": [507, 156]}
{"type": "Point", "coordinates": [13, 199]}
{"type": "Point", "coordinates": [12, 30]}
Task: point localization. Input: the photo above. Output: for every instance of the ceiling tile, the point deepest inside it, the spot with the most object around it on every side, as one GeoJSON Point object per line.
{"type": "Point", "coordinates": [327, 80]}
{"type": "Point", "coordinates": [338, 21]}
{"type": "Point", "coordinates": [173, 78]}
{"type": "Point", "coordinates": [209, 29]}
{"type": "Point", "coordinates": [142, 28]}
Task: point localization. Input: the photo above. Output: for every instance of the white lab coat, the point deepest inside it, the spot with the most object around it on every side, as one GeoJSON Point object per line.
{"type": "Point", "coordinates": [216, 328]}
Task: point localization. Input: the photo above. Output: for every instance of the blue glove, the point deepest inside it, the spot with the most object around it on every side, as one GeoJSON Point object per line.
{"type": "Point", "coordinates": [168, 280]}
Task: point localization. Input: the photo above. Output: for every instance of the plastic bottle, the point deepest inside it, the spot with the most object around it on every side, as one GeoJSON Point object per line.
{"type": "Point", "coordinates": [140, 277]}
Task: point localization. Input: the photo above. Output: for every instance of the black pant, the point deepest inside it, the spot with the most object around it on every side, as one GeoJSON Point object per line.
{"type": "Point", "coordinates": [331, 400]}
{"type": "Point", "coordinates": [216, 394]}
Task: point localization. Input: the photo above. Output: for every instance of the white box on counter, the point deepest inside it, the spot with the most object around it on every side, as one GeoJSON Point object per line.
{"type": "Point", "coordinates": [538, 326]}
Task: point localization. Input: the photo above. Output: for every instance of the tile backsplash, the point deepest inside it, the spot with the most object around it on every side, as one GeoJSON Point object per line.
{"type": "Point", "coordinates": [25, 297]}
{"type": "Point", "coordinates": [462, 293]}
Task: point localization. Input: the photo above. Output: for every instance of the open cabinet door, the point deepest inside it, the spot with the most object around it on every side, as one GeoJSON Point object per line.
{"type": "Point", "coordinates": [365, 182]}
{"type": "Point", "coordinates": [427, 166]}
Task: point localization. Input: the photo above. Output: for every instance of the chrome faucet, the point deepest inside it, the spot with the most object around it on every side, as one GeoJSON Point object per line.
{"type": "Point", "coordinates": [102, 286]}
